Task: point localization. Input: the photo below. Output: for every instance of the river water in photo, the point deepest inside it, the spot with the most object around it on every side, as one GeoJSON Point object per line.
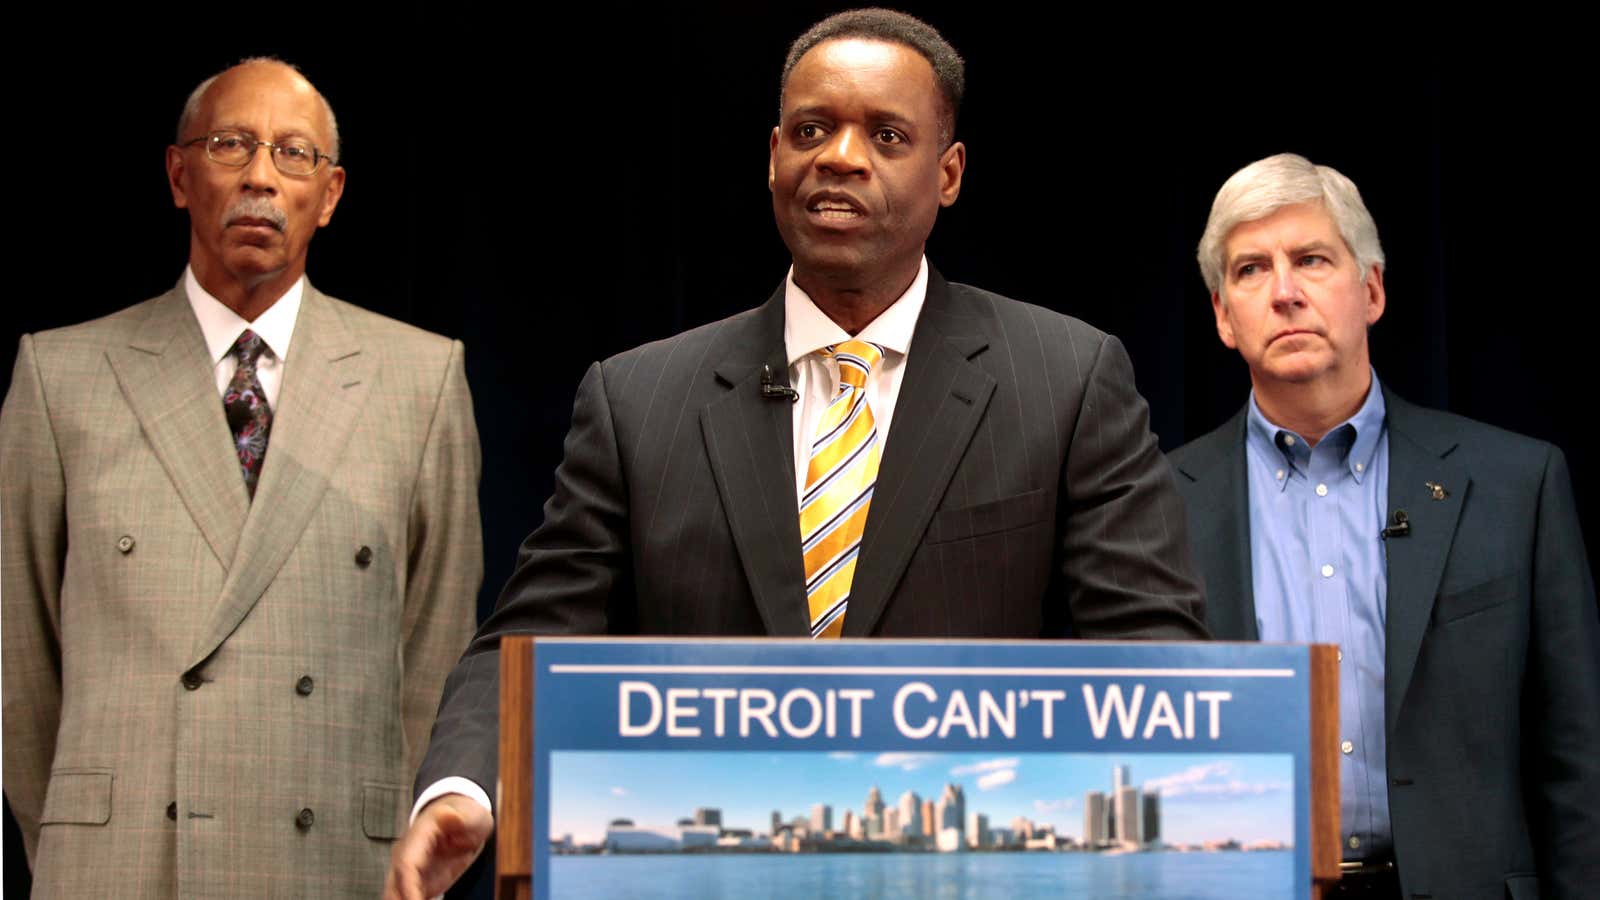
{"type": "Point", "coordinates": [928, 876]}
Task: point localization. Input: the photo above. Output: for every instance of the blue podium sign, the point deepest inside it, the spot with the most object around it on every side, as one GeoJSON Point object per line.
{"type": "Point", "coordinates": [885, 768]}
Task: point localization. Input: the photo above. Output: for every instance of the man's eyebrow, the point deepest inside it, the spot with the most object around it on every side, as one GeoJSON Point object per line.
{"type": "Point", "coordinates": [889, 115]}
{"type": "Point", "coordinates": [812, 110]}
{"type": "Point", "coordinates": [1313, 247]}
{"type": "Point", "coordinates": [1245, 256]}
{"type": "Point", "coordinates": [829, 112]}
{"type": "Point", "coordinates": [278, 135]}
{"type": "Point", "coordinates": [1250, 256]}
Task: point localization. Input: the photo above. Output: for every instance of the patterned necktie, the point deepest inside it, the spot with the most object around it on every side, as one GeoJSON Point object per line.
{"type": "Point", "coordinates": [245, 404]}
{"type": "Point", "coordinates": [839, 478]}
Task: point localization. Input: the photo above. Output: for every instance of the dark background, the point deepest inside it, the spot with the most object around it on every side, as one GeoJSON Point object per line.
{"type": "Point", "coordinates": [555, 187]}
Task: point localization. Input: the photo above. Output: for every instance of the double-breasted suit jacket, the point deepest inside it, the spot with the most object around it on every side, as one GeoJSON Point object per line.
{"type": "Point", "coordinates": [205, 695]}
{"type": "Point", "coordinates": [1492, 655]}
{"type": "Point", "coordinates": [1020, 494]}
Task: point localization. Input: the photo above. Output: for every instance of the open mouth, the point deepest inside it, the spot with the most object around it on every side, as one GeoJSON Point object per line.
{"type": "Point", "coordinates": [834, 207]}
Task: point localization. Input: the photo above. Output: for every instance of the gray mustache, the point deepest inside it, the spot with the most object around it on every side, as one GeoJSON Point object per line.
{"type": "Point", "coordinates": [256, 208]}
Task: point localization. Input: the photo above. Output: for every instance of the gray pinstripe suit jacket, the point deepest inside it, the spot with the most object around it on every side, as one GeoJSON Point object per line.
{"type": "Point", "coordinates": [168, 641]}
{"type": "Point", "coordinates": [1021, 494]}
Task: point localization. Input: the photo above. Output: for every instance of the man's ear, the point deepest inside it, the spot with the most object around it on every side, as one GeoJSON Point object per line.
{"type": "Point", "coordinates": [1219, 308]}
{"type": "Point", "coordinates": [1376, 298]}
{"type": "Point", "coordinates": [177, 169]}
{"type": "Point", "coordinates": [330, 197]}
{"type": "Point", "coordinates": [772, 159]}
{"type": "Point", "coordinates": [952, 163]}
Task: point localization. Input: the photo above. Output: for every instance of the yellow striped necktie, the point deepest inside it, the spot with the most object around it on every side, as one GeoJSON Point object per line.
{"type": "Point", "coordinates": [842, 470]}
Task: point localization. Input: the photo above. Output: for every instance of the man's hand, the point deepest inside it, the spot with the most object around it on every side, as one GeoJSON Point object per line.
{"type": "Point", "coordinates": [446, 837]}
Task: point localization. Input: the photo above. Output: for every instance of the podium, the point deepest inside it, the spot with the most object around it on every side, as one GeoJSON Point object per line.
{"type": "Point", "coordinates": [1215, 730]}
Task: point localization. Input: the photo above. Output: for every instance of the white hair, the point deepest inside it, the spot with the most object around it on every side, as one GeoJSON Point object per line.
{"type": "Point", "coordinates": [191, 107]}
{"type": "Point", "coordinates": [1268, 185]}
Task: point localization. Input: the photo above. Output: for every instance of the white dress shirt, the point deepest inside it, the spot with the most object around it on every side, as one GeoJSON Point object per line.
{"type": "Point", "coordinates": [806, 330]}
{"type": "Point", "coordinates": [222, 326]}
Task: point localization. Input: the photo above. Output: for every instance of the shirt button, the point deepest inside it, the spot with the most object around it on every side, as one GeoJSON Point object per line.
{"type": "Point", "coordinates": [1327, 571]}
{"type": "Point", "coordinates": [1355, 842]}
{"type": "Point", "coordinates": [1288, 440]}
{"type": "Point", "coordinates": [1347, 747]}
{"type": "Point", "coordinates": [191, 681]}
{"type": "Point", "coordinates": [364, 556]}
{"type": "Point", "coordinates": [1360, 467]}
{"type": "Point", "coordinates": [125, 543]}
{"type": "Point", "coordinates": [1322, 490]}
{"type": "Point", "coordinates": [172, 811]}
{"type": "Point", "coordinates": [1278, 474]}
{"type": "Point", "coordinates": [304, 685]}
{"type": "Point", "coordinates": [305, 820]}
{"type": "Point", "coordinates": [1340, 654]}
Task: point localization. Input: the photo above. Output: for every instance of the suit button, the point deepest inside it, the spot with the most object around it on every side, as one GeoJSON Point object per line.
{"type": "Point", "coordinates": [172, 811]}
{"type": "Point", "coordinates": [191, 681]}
{"type": "Point", "coordinates": [125, 543]}
{"type": "Point", "coordinates": [304, 685]}
{"type": "Point", "coordinates": [305, 820]}
{"type": "Point", "coordinates": [364, 556]}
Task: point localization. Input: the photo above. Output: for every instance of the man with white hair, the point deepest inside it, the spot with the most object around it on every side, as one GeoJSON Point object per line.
{"type": "Point", "coordinates": [1442, 555]}
{"type": "Point", "coordinates": [241, 545]}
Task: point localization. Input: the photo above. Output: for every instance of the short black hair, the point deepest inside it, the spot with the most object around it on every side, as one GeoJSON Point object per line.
{"type": "Point", "coordinates": [891, 27]}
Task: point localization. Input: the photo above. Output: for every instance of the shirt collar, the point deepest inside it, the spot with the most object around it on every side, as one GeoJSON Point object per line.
{"type": "Point", "coordinates": [221, 326]}
{"type": "Point", "coordinates": [1357, 437]}
{"type": "Point", "coordinates": [807, 329]}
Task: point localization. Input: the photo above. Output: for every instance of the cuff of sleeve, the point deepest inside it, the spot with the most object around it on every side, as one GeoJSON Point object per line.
{"type": "Point", "coordinates": [454, 784]}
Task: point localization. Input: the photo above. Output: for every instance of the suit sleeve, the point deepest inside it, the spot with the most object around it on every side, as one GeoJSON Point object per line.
{"type": "Point", "coordinates": [33, 532]}
{"type": "Point", "coordinates": [1561, 701]}
{"type": "Point", "coordinates": [1124, 538]}
{"type": "Point", "coordinates": [445, 556]}
{"type": "Point", "coordinates": [572, 577]}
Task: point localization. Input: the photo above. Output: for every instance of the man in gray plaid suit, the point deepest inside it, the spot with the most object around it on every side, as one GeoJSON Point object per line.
{"type": "Point", "coordinates": [241, 545]}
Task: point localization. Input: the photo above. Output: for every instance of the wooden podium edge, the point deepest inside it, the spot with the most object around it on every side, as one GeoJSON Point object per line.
{"type": "Point", "coordinates": [514, 824]}
{"type": "Point", "coordinates": [1326, 850]}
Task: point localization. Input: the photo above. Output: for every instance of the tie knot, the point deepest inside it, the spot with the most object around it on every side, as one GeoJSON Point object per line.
{"type": "Point", "coordinates": [248, 348]}
{"type": "Point", "coordinates": [856, 359]}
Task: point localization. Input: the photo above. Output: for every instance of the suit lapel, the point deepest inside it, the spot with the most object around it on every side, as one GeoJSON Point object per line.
{"type": "Point", "coordinates": [326, 380]}
{"type": "Point", "coordinates": [165, 373]}
{"type": "Point", "coordinates": [750, 444]}
{"type": "Point", "coordinates": [1416, 561]}
{"type": "Point", "coordinates": [942, 399]}
{"type": "Point", "coordinates": [1222, 486]}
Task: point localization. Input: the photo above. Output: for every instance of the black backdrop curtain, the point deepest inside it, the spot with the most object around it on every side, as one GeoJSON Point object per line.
{"type": "Point", "coordinates": [554, 187]}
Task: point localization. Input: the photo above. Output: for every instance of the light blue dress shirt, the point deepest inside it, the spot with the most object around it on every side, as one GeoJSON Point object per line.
{"type": "Point", "coordinates": [1318, 569]}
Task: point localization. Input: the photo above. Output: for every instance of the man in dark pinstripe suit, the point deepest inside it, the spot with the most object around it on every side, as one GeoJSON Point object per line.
{"type": "Point", "coordinates": [1020, 492]}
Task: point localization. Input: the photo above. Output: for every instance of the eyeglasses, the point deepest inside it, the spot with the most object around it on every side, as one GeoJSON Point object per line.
{"type": "Point", "coordinates": [294, 156]}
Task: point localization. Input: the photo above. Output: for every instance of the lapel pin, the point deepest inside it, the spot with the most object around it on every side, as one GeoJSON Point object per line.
{"type": "Point", "coordinates": [1439, 493]}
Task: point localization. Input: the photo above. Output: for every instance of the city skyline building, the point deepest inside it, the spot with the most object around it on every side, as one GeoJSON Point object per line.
{"type": "Point", "coordinates": [910, 818]}
{"type": "Point", "coordinates": [1127, 805]}
{"type": "Point", "coordinates": [951, 810]}
{"type": "Point", "coordinates": [977, 830]}
{"type": "Point", "coordinates": [821, 818]}
{"type": "Point", "coordinates": [1150, 818]}
{"type": "Point", "coordinates": [1094, 819]}
{"type": "Point", "coordinates": [1129, 817]}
